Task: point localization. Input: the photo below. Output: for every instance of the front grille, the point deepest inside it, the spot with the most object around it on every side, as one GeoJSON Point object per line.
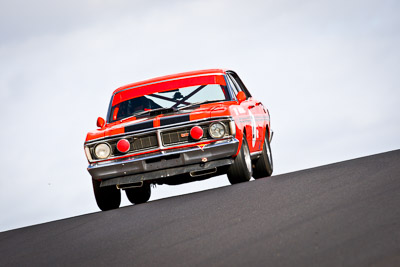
{"type": "Point", "coordinates": [175, 137]}
{"type": "Point", "coordinates": [181, 136]}
{"type": "Point", "coordinates": [138, 143]}
{"type": "Point", "coordinates": [144, 142]}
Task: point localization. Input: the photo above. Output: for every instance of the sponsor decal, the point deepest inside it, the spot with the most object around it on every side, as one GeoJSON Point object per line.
{"type": "Point", "coordinates": [201, 146]}
{"type": "Point", "coordinates": [249, 119]}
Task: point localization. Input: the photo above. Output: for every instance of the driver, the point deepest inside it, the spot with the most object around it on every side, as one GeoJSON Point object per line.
{"type": "Point", "coordinates": [143, 103]}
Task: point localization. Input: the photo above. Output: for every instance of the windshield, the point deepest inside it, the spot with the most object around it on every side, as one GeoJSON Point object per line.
{"type": "Point", "coordinates": [169, 101]}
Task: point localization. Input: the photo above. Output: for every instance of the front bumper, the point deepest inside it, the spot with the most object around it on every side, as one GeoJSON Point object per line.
{"type": "Point", "coordinates": [196, 157]}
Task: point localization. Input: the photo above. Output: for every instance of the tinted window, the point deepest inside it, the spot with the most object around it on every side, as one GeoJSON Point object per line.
{"type": "Point", "coordinates": [234, 86]}
{"type": "Point", "coordinates": [238, 82]}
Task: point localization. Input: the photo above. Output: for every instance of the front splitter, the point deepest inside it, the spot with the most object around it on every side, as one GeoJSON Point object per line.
{"type": "Point", "coordinates": [165, 173]}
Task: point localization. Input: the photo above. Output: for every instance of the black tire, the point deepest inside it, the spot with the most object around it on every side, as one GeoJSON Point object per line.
{"type": "Point", "coordinates": [108, 197]}
{"type": "Point", "coordinates": [138, 195]}
{"type": "Point", "coordinates": [263, 166]}
{"type": "Point", "coordinates": [240, 171]}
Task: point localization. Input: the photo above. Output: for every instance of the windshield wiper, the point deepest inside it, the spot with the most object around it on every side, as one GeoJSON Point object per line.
{"type": "Point", "coordinates": [199, 103]}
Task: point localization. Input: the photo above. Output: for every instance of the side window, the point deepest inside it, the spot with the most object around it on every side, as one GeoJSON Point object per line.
{"type": "Point", "coordinates": [239, 84]}
{"type": "Point", "coordinates": [234, 86]}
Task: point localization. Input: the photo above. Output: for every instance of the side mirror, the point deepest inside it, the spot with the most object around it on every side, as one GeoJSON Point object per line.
{"type": "Point", "coordinates": [100, 122]}
{"type": "Point", "coordinates": [241, 96]}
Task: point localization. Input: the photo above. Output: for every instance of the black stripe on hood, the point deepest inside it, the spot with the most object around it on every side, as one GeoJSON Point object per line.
{"type": "Point", "coordinates": [174, 119]}
{"type": "Point", "coordinates": [139, 126]}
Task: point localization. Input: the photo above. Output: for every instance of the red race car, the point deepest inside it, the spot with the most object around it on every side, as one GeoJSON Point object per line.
{"type": "Point", "coordinates": [178, 129]}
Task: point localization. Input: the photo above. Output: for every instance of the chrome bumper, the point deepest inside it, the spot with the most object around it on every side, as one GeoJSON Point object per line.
{"type": "Point", "coordinates": [164, 160]}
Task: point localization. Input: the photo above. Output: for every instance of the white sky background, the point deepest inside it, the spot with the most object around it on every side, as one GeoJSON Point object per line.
{"type": "Point", "coordinates": [328, 71]}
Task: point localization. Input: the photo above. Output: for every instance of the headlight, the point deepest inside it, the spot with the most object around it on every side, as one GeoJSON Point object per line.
{"type": "Point", "coordinates": [102, 151]}
{"type": "Point", "coordinates": [217, 130]}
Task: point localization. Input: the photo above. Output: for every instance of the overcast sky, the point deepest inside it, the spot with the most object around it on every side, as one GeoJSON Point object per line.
{"type": "Point", "coordinates": [328, 71]}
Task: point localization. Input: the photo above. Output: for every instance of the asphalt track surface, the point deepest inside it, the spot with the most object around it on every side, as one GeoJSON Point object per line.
{"type": "Point", "coordinates": [343, 214]}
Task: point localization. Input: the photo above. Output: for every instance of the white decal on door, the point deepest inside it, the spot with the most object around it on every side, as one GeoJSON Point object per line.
{"type": "Point", "coordinates": [253, 129]}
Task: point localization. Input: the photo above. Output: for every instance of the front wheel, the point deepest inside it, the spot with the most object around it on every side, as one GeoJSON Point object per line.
{"type": "Point", "coordinates": [240, 171]}
{"type": "Point", "coordinates": [263, 167]}
{"type": "Point", "coordinates": [108, 197]}
{"type": "Point", "coordinates": [138, 195]}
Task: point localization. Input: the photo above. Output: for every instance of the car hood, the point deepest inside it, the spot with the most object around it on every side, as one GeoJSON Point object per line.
{"type": "Point", "coordinates": [140, 124]}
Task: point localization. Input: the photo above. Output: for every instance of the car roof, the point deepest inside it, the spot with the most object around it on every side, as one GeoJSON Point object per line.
{"type": "Point", "coordinates": [171, 77]}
